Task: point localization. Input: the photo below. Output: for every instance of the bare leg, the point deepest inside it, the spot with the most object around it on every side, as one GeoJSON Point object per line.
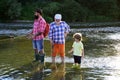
{"type": "Point", "coordinates": [53, 60]}
{"type": "Point", "coordinates": [62, 59]}
{"type": "Point", "coordinates": [53, 66]}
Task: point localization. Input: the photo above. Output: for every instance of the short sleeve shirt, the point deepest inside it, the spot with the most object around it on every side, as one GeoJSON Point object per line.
{"type": "Point", "coordinates": [39, 26]}
{"type": "Point", "coordinates": [77, 48]}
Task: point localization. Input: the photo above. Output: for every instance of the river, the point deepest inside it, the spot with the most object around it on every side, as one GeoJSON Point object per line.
{"type": "Point", "coordinates": [101, 62]}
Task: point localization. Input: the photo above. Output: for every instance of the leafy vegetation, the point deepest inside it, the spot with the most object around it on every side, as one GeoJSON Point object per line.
{"type": "Point", "coordinates": [72, 10]}
{"type": "Point", "coordinates": [10, 9]}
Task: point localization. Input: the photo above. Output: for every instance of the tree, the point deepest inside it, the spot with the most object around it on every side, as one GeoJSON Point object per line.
{"type": "Point", "coordinates": [9, 9]}
{"type": "Point", "coordinates": [70, 10]}
{"type": "Point", "coordinates": [51, 9]}
{"type": "Point", "coordinates": [102, 8]}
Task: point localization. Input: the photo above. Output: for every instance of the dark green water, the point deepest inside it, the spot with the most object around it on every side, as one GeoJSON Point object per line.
{"type": "Point", "coordinates": [101, 62]}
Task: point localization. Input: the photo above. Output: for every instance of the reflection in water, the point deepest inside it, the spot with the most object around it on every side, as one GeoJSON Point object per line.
{"type": "Point", "coordinates": [77, 77]}
{"type": "Point", "coordinates": [38, 75]}
{"type": "Point", "coordinates": [9, 73]}
{"type": "Point", "coordinates": [74, 74]}
{"type": "Point", "coordinates": [58, 73]}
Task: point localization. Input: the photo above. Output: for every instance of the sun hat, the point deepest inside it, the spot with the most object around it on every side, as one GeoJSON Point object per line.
{"type": "Point", "coordinates": [78, 36]}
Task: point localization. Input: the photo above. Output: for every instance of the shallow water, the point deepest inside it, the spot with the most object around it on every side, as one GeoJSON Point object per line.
{"type": "Point", "coordinates": [101, 62]}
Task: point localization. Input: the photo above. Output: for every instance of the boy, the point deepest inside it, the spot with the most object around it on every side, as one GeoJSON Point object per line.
{"type": "Point", "coordinates": [77, 49]}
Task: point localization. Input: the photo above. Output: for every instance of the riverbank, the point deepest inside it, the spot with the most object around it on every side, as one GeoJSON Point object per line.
{"type": "Point", "coordinates": [26, 24]}
{"type": "Point", "coordinates": [11, 33]}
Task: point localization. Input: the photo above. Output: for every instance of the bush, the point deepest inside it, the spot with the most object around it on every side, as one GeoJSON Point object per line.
{"type": "Point", "coordinates": [9, 9]}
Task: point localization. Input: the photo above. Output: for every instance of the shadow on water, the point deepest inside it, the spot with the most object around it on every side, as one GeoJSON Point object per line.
{"type": "Point", "coordinates": [101, 62]}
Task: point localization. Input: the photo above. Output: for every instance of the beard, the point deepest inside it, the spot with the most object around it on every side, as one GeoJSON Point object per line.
{"type": "Point", "coordinates": [36, 17]}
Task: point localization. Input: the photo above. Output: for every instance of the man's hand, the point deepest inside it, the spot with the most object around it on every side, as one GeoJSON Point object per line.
{"type": "Point", "coordinates": [51, 42]}
{"type": "Point", "coordinates": [65, 35]}
{"type": "Point", "coordinates": [29, 36]}
{"type": "Point", "coordinates": [37, 34]}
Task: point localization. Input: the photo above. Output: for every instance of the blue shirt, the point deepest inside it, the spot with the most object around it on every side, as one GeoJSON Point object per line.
{"type": "Point", "coordinates": [57, 32]}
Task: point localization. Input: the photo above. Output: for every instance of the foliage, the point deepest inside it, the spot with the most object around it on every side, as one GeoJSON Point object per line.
{"type": "Point", "coordinates": [71, 10]}
{"type": "Point", "coordinates": [106, 8]}
{"type": "Point", "coordinates": [9, 9]}
{"type": "Point", "coordinates": [50, 9]}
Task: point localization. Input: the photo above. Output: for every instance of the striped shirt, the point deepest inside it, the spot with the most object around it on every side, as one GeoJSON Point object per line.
{"type": "Point", "coordinates": [39, 26]}
{"type": "Point", "coordinates": [57, 32]}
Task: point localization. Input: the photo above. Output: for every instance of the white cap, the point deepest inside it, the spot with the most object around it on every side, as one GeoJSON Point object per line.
{"type": "Point", "coordinates": [58, 16]}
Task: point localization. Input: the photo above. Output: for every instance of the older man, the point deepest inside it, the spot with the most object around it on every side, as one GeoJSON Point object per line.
{"type": "Point", "coordinates": [58, 31]}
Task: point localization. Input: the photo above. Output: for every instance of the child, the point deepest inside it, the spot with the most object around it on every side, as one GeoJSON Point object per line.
{"type": "Point", "coordinates": [77, 49]}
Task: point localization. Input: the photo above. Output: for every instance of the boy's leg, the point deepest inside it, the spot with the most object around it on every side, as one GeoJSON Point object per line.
{"type": "Point", "coordinates": [62, 60]}
{"type": "Point", "coordinates": [62, 52]}
{"type": "Point", "coordinates": [53, 60]}
{"type": "Point", "coordinates": [75, 61]}
{"type": "Point", "coordinates": [79, 60]}
{"type": "Point", "coordinates": [54, 52]}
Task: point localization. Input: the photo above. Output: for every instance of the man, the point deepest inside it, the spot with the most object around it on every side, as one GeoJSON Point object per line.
{"type": "Point", "coordinates": [58, 31]}
{"type": "Point", "coordinates": [37, 35]}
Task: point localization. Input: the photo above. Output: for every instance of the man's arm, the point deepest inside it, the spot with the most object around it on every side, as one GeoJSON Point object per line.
{"type": "Point", "coordinates": [67, 29]}
{"type": "Point", "coordinates": [50, 34]}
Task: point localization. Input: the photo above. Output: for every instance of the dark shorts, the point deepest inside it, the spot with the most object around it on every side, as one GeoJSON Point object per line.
{"type": "Point", "coordinates": [77, 59]}
{"type": "Point", "coordinates": [38, 44]}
